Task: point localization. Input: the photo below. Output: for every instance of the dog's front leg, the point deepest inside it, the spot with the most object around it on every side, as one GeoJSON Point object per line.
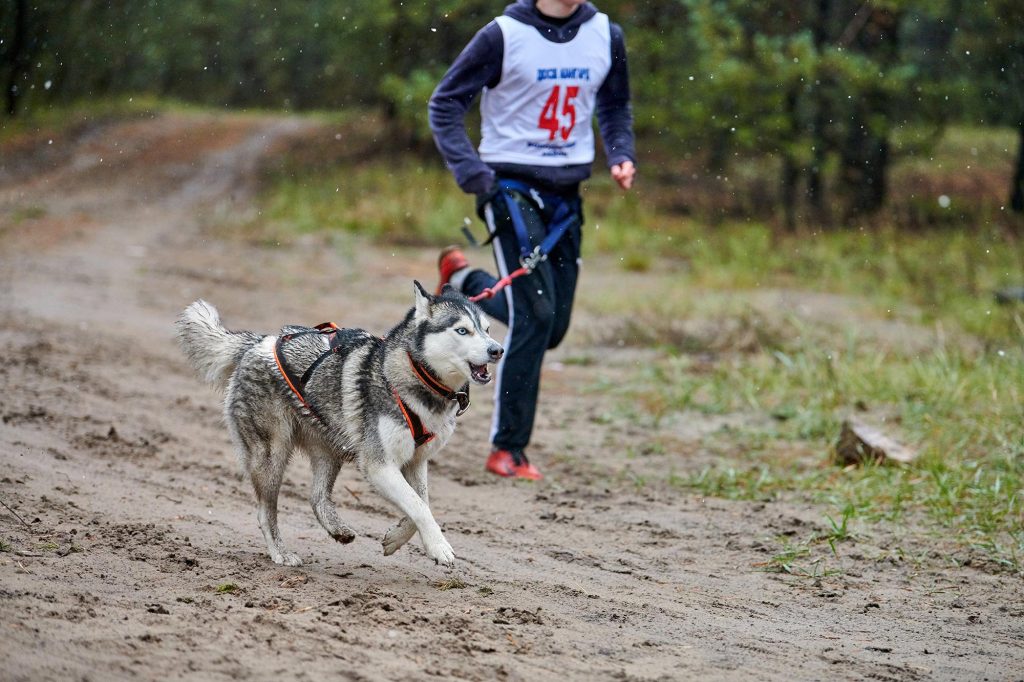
{"type": "Point", "coordinates": [416, 475]}
{"type": "Point", "coordinates": [392, 486]}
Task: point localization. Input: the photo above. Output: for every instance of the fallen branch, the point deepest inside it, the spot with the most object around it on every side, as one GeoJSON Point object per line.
{"type": "Point", "coordinates": [16, 515]}
{"type": "Point", "coordinates": [336, 602]}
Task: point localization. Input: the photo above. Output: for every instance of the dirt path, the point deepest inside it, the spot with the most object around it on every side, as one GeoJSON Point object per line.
{"type": "Point", "coordinates": [130, 545]}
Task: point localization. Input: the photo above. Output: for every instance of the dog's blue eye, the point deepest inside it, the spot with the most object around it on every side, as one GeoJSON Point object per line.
{"type": "Point", "coordinates": [461, 331]}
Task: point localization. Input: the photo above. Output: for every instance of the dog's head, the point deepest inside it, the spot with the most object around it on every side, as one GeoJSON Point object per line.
{"type": "Point", "coordinates": [451, 337]}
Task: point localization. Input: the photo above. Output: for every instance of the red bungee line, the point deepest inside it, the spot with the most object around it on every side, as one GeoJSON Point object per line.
{"type": "Point", "coordinates": [499, 285]}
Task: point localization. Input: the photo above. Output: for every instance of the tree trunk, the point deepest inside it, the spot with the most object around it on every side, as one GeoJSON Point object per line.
{"type": "Point", "coordinates": [1017, 189]}
{"type": "Point", "coordinates": [815, 179]}
{"type": "Point", "coordinates": [865, 165]}
{"type": "Point", "coordinates": [791, 171]}
{"type": "Point", "coordinates": [865, 152]}
{"type": "Point", "coordinates": [718, 154]}
{"type": "Point", "coordinates": [790, 178]}
{"type": "Point", "coordinates": [18, 56]}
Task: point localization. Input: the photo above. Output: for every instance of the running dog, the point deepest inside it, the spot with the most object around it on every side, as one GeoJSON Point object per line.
{"type": "Point", "coordinates": [340, 395]}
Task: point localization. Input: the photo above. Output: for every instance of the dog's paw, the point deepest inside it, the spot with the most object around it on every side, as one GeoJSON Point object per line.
{"type": "Point", "coordinates": [442, 553]}
{"type": "Point", "coordinates": [287, 559]}
{"type": "Point", "coordinates": [345, 535]}
{"type": "Point", "coordinates": [397, 536]}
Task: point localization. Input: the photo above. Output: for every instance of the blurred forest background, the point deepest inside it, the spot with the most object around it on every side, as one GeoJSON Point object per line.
{"type": "Point", "coordinates": [798, 111]}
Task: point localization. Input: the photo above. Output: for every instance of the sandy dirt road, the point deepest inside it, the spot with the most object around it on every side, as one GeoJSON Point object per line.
{"type": "Point", "coordinates": [130, 544]}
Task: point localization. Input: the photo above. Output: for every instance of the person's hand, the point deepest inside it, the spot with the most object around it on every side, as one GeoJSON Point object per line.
{"type": "Point", "coordinates": [484, 198]}
{"type": "Point", "coordinates": [623, 173]}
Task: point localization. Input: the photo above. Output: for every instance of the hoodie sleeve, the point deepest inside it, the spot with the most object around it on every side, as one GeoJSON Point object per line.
{"type": "Point", "coordinates": [614, 111]}
{"type": "Point", "coordinates": [478, 66]}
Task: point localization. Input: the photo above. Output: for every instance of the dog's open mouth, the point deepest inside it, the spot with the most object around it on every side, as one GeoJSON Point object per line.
{"type": "Point", "coordinates": [479, 373]}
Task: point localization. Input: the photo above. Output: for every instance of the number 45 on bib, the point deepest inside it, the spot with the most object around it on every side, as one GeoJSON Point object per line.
{"type": "Point", "coordinates": [558, 110]}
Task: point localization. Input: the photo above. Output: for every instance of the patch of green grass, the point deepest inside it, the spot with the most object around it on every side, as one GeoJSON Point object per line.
{"type": "Point", "coordinates": [580, 360]}
{"type": "Point", "coordinates": [801, 557]}
{"type": "Point", "coordinates": [961, 411]}
{"type": "Point", "coordinates": [796, 559]}
{"type": "Point", "coordinates": [23, 213]}
{"type": "Point", "coordinates": [5, 546]}
{"type": "Point", "coordinates": [54, 120]}
{"type": "Point", "coordinates": [839, 531]}
{"type": "Point", "coordinates": [450, 584]}
{"type": "Point", "coordinates": [401, 201]}
{"type": "Point", "coordinates": [959, 147]}
{"type": "Point", "coordinates": [228, 588]}
{"type": "Point", "coordinates": [753, 483]}
{"type": "Point", "coordinates": [646, 448]}
{"type": "Point", "coordinates": [785, 561]}
{"type": "Point", "coordinates": [915, 342]}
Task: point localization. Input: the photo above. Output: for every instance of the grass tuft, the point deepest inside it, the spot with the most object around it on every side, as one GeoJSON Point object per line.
{"type": "Point", "coordinates": [450, 584]}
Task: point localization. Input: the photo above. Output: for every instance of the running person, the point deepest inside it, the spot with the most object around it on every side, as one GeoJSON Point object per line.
{"type": "Point", "coordinates": [545, 68]}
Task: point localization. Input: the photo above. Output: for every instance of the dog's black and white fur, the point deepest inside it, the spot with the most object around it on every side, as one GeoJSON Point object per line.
{"type": "Point", "coordinates": [352, 392]}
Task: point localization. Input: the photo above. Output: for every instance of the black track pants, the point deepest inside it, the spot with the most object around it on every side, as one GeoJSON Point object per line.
{"type": "Point", "coordinates": [536, 308]}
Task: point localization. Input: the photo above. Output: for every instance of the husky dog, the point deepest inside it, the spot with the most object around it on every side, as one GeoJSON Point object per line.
{"type": "Point", "coordinates": [388, 403]}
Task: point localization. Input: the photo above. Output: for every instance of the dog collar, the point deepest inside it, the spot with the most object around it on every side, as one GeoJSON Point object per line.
{"type": "Point", "coordinates": [434, 384]}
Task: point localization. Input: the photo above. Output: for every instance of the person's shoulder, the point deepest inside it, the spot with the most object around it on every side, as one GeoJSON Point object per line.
{"type": "Point", "coordinates": [491, 30]}
{"type": "Point", "coordinates": [488, 38]}
{"type": "Point", "coordinates": [615, 32]}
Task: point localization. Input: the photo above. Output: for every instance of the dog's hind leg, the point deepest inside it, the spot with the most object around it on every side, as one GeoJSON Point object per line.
{"type": "Point", "coordinates": [264, 459]}
{"type": "Point", "coordinates": [416, 475]}
{"type": "Point", "coordinates": [325, 468]}
{"type": "Point", "coordinates": [266, 481]}
{"type": "Point", "coordinates": [392, 486]}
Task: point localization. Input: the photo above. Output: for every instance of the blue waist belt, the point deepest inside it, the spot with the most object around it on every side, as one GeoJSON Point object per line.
{"type": "Point", "coordinates": [562, 218]}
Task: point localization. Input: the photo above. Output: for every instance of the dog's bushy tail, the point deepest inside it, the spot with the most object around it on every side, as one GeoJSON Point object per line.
{"type": "Point", "coordinates": [212, 349]}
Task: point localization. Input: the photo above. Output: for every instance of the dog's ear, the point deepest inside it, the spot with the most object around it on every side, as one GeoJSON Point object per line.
{"type": "Point", "coordinates": [423, 301]}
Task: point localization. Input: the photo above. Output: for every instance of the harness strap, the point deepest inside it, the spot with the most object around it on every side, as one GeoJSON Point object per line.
{"type": "Point", "coordinates": [297, 384]}
{"type": "Point", "coordinates": [334, 341]}
{"type": "Point", "coordinates": [289, 378]}
{"type": "Point", "coordinates": [420, 436]}
{"type": "Point", "coordinates": [529, 256]}
{"type": "Point", "coordinates": [562, 219]}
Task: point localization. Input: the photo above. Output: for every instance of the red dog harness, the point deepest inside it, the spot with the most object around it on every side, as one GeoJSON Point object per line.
{"type": "Point", "coordinates": [420, 436]}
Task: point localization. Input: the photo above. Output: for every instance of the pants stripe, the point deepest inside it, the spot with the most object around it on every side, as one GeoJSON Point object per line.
{"type": "Point", "coordinates": [499, 257]}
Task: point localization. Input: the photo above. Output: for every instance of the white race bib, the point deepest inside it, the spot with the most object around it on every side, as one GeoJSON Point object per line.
{"type": "Point", "coordinates": [540, 112]}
